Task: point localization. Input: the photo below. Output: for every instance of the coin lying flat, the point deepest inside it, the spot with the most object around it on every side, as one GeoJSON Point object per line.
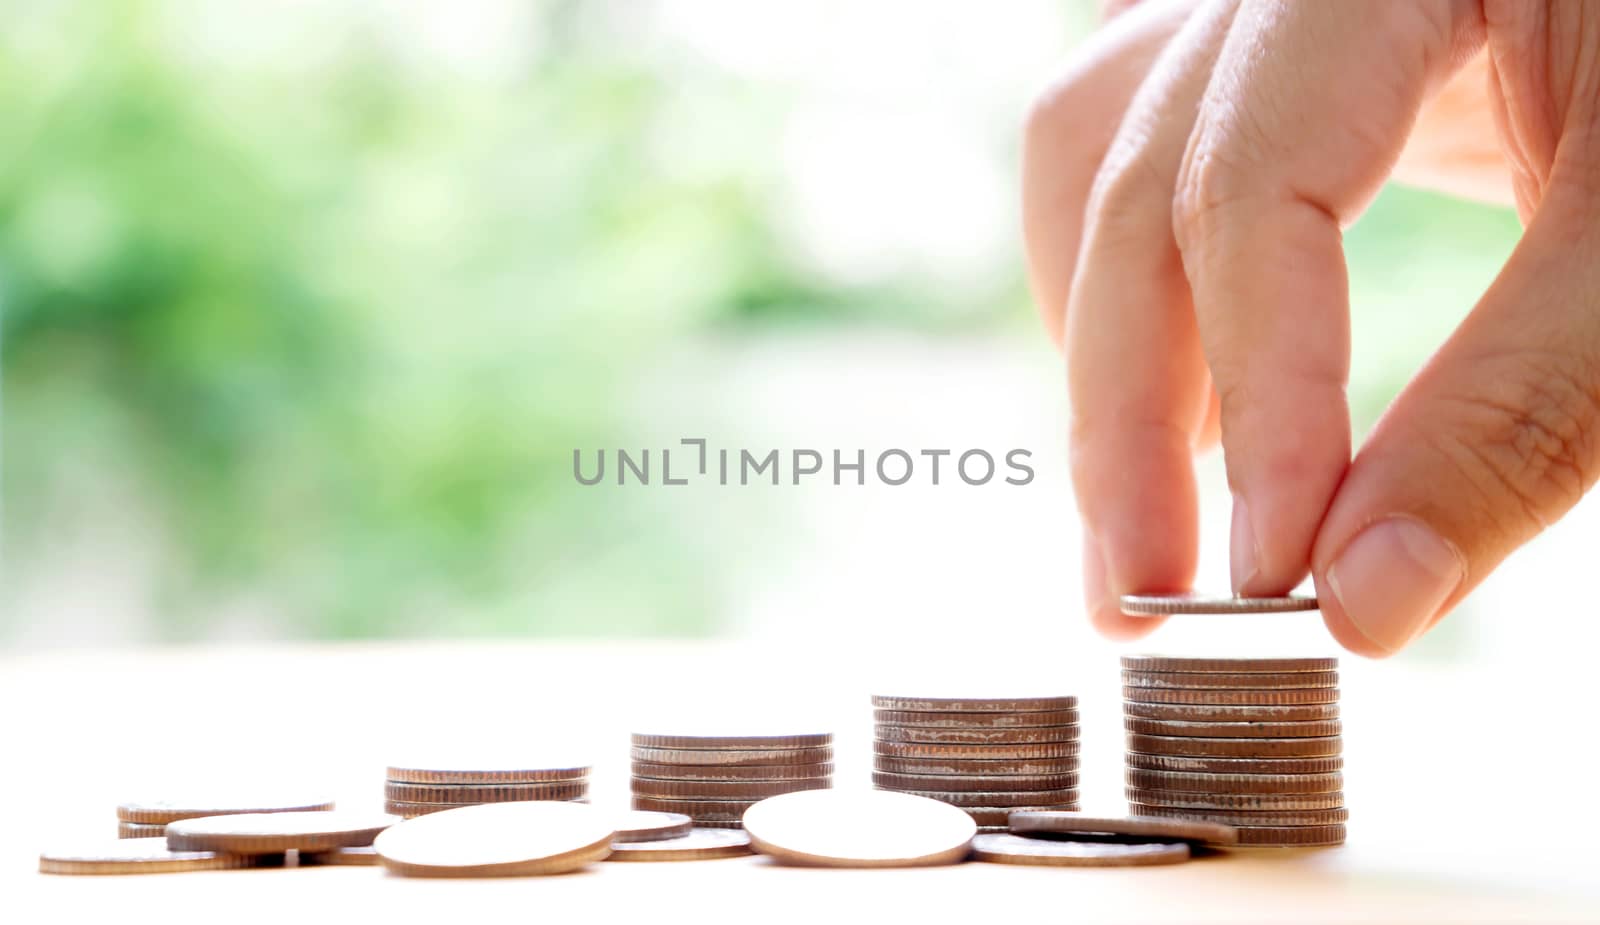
{"type": "Point", "coordinates": [142, 856]}
{"type": "Point", "coordinates": [745, 757]}
{"type": "Point", "coordinates": [737, 742]}
{"type": "Point", "coordinates": [1248, 819]}
{"type": "Point", "coordinates": [1216, 697]}
{"type": "Point", "coordinates": [161, 812]}
{"type": "Point", "coordinates": [1046, 852]}
{"type": "Point", "coordinates": [1150, 827]}
{"type": "Point", "coordinates": [990, 799]}
{"type": "Point", "coordinates": [1219, 680]}
{"type": "Point", "coordinates": [976, 720]}
{"type": "Point", "coordinates": [976, 735]}
{"type": "Point", "coordinates": [358, 856]}
{"type": "Point", "coordinates": [140, 830]}
{"type": "Point", "coordinates": [980, 767]}
{"type": "Point", "coordinates": [1224, 713]}
{"type": "Point", "coordinates": [1232, 802]}
{"type": "Point", "coordinates": [1001, 815]}
{"type": "Point", "coordinates": [975, 705]}
{"type": "Point", "coordinates": [859, 828]}
{"type": "Point", "coordinates": [718, 790]}
{"type": "Point", "coordinates": [1203, 765]}
{"type": "Point", "coordinates": [887, 781]}
{"type": "Point", "coordinates": [495, 771]}
{"type": "Point", "coordinates": [1235, 748]}
{"type": "Point", "coordinates": [1179, 663]}
{"type": "Point", "coordinates": [637, 825]}
{"type": "Point", "coordinates": [1301, 836]}
{"type": "Point", "coordinates": [1236, 783]}
{"type": "Point", "coordinates": [498, 840]}
{"type": "Point", "coordinates": [931, 750]}
{"type": "Point", "coordinates": [269, 833]}
{"type": "Point", "coordinates": [1192, 602]}
{"type": "Point", "coordinates": [700, 844]}
{"type": "Point", "coordinates": [1245, 730]}
{"type": "Point", "coordinates": [459, 794]}
{"type": "Point", "coordinates": [724, 772]}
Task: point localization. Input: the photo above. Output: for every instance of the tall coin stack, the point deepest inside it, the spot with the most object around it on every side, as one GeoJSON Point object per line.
{"type": "Point", "coordinates": [990, 757]}
{"type": "Point", "coordinates": [714, 779]}
{"type": "Point", "coordinates": [413, 790]}
{"type": "Point", "coordinates": [1251, 742]}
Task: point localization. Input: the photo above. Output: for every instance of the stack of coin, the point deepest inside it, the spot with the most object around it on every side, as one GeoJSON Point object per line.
{"type": "Point", "coordinates": [990, 757]}
{"type": "Point", "coordinates": [415, 790]}
{"type": "Point", "coordinates": [1250, 742]}
{"type": "Point", "coordinates": [714, 779]}
{"type": "Point", "coordinates": [149, 818]}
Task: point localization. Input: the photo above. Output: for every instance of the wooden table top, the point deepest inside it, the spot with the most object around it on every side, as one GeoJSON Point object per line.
{"type": "Point", "coordinates": [1456, 814]}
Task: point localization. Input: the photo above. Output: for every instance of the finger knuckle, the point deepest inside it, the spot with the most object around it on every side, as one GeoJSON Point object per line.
{"type": "Point", "coordinates": [1208, 185]}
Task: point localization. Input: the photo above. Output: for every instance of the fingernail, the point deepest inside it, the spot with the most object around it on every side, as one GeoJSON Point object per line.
{"type": "Point", "coordinates": [1392, 578]}
{"type": "Point", "coordinates": [1242, 546]}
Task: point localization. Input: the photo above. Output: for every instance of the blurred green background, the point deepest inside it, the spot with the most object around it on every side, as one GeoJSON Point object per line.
{"type": "Point", "coordinates": [305, 306]}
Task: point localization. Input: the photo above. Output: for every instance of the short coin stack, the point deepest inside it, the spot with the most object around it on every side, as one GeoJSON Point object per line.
{"type": "Point", "coordinates": [990, 757]}
{"type": "Point", "coordinates": [149, 819]}
{"type": "Point", "coordinates": [417, 790]}
{"type": "Point", "coordinates": [1253, 743]}
{"type": "Point", "coordinates": [714, 779]}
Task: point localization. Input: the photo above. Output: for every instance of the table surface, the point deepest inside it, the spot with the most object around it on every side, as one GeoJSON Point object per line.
{"type": "Point", "coordinates": [1433, 837]}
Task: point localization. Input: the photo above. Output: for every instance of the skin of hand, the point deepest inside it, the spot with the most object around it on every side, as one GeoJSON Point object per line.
{"type": "Point", "coordinates": [1186, 183]}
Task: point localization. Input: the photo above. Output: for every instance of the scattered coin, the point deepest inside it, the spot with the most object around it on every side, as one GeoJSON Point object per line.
{"type": "Point", "coordinates": [1203, 765]}
{"type": "Point", "coordinates": [1292, 836]}
{"type": "Point", "coordinates": [721, 790]}
{"type": "Point", "coordinates": [638, 825]}
{"type": "Point", "coordinates": [1165, 663]}
{"type": "Point", "coordinates": [859, 828]}
{"type": "Point", "coordinates": [742, 743]}
{"type": "Point", "coordinates": [1237, 730]}
{"type": "Point", "coordinates": [992, 799]}
{"type": "Point", "coordinates": [141, 856]}
{"type": "Point", "coordinates": [1018, 849]}
{"type": "Point", "coordinates": [161, 812]}
{"type": "Point", "coordinates": [140, 830]}
{"type": "Point", "coordinates": [1191, 602]}
{"type": "Point", "coordinates": [723, 772]}
{"type": "Point", "coordinates": [1236, 783]}
{"type": "Point", "coordinates": [1258, 697]}
{"type": "Point", "coordinates": [733, 757]}
{"type": "Point", "coordinates": [887, 781]}
{"type": "Point", "coordinates": [270, 833]}
{"type": "Point", "coordinates": [981, 767]}
{"type": "Point", "coordinates": [1235, 748]}
{"type": "Point", "coordinates": [1242, 819]}
{"type": "Point", "coordinates": [1234, 802]}
{"type": "Point", "coordinates": [700, 844]}
{"type": "Point", "coordinates": [462, 794]}
{"type": "Point", "coordinates": [975, 735]}
{"type": "Point", "coordinates": [1218, 680]}
{"type": "Point", "coordinates": [980, 705]}
{"type": "Point", "coordinates": [498, 840]}
{"type": "Point", "coordinates": [976, 720]}
{"type": "Point", "coordinates": [488, 774]}
{"type": "Point", "coordinates": [931, 750]}
{"type": "Point", "coordinates": [1224, 713]}
{"type": "Point", "coordinates": [357, 856]}
{"type": "Point", "coordinates": [1001, 815]}
{"type": "Point", "coordinates": [1073, 823]}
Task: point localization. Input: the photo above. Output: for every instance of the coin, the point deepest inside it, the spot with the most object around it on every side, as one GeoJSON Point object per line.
{"type": "Point", "coordinates": [1170, 663]}
{"type": "Point", "coordinates": [1071, 823]}
{"type": "Point", "coordinates": [161, 812]}
{"type": "Point", "coordinates": [408, 810]}
{"type": "Point", "coordinates": [498, 840]}
{"type": "Point", "coordinates": [358, 856]}
{"type": "Point", "coordinates": [459, 794]}
{"type": "Point", "coordinates": [742, 743]}
{"type": "Point", "coordinates": [1218, 680]}
{"type": "Point", "coordinates": [1046, 852]}
{"type": "Point", "coordinates": [1235, 802]}
{"type": "Point", "coordinates": [700, 844]}
{"type": "Point", "coordinates": [1248, 730]}
{"type": "Point", "coordinates": [859, 828]}
{"type": "Point", "coordinates": [931, 750]}
{"type": "Point", "coordinates": [887, 781]}
{"type": "Point", "coordinates": [976, 735]}
{"type": "Point", "coordinates": [638, 825]}
{"type": "Point", "coordinates": [980, 705]}
{"type": "Point", "coordinates": [489, 773]}
{"type": "Point", "coordinates": [701, 811]}
{"type": "Point", "coordinates": [1235, 748]}
{"type": "Point", "coordinates": [992, 799]}
{"type": "Point", "coordinates": [1188, 763]}
{"type": "Point", "coordinates": [1299, 836]}
{"type": "Point", "coordinates": [723, 772]}
{"type": "Point", "coordinates": [745, 757]}
{"type": "Point", "coordinates": [1222, 713]}
{"type": "Point", "coordinates": [1193, 602]}
{"type": "Point", "coordinates": [1001, 815]}
{"type": "Point", "coordinates": [1231, 697]}
{"type": "Point", "coordinates": [976, 720]}
{"type": "Point", "coordinates": [1248, 819]}
{"type": "Point", "coordinates": [980, 767]}
{"type": "Point", "coordinates": [721, 790]}
{"type": "Point", "coordinates": [268, 833]}
{"type": "Point", "coordinates": [140, 830]}
{"type": "Point", "coordinates": [1236, 783]}
{"type": "Point", "coordinates": [140, 856]}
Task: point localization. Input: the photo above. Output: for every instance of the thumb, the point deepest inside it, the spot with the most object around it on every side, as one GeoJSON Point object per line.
{"type": "Point", "coordinates": [1497, 438]}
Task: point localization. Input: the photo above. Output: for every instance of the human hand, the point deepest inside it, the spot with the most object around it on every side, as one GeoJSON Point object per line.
{"type": "Point", "coordinates": [1185, 187]}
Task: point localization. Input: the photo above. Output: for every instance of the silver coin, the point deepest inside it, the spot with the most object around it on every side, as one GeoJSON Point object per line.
{"type": "Point", "coordinates": [1160, 605]}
